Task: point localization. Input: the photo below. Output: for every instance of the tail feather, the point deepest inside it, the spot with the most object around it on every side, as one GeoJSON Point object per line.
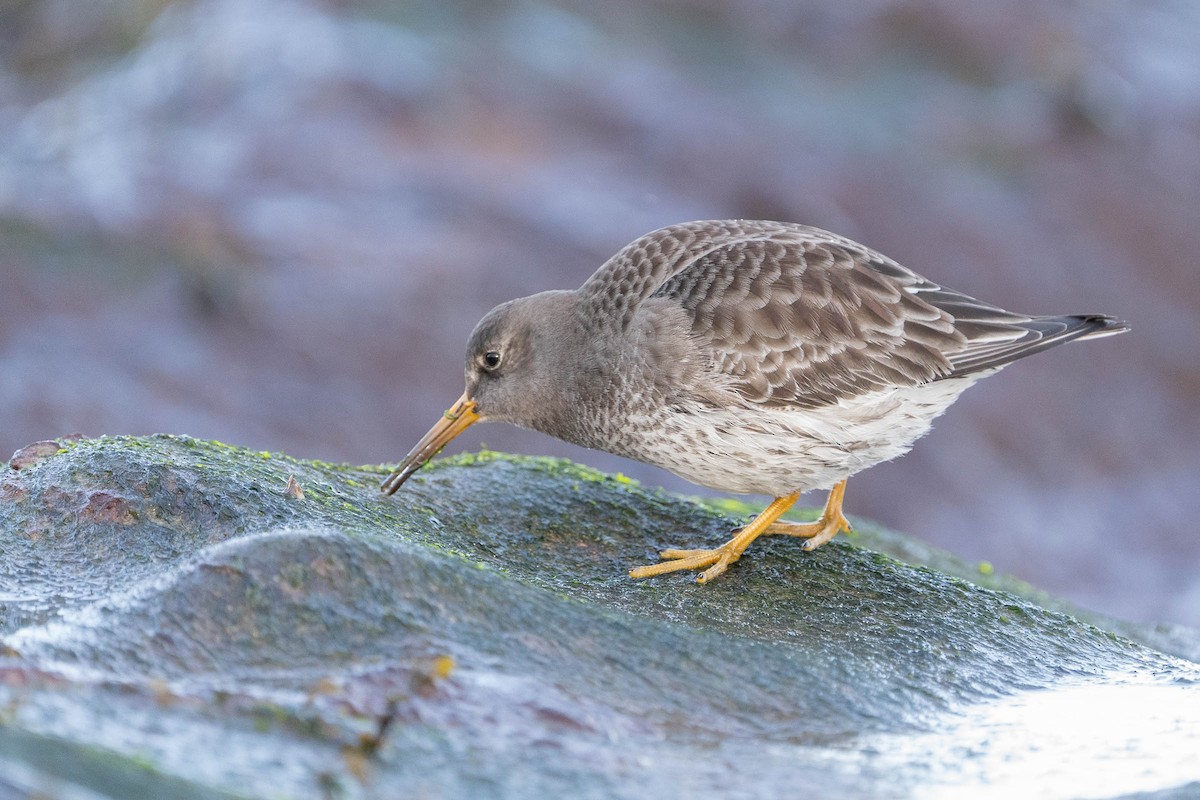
{"type": "Point", "coordinates": [1029, 337]}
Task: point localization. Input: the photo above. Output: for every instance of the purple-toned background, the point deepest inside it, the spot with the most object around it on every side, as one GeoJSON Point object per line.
{"type": "Point", "coordinates": [274, 222]}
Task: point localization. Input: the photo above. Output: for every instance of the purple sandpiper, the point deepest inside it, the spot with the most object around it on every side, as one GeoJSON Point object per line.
{"type": "Point", "coordinates": [747, 356]}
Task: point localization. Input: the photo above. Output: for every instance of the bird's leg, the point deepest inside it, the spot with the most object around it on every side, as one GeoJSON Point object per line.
{"type": "Point", "coordinates": [832, 521]}
{"type": "Point", "coordinates": [718, 559]}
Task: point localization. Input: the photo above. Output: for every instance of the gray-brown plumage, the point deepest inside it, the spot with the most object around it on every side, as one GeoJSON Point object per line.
{"type": "Point", "coordinates": [748, 356]}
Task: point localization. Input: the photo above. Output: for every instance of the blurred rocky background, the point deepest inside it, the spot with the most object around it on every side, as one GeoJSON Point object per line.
{"type": "Point", "coordinates": [274, 222]}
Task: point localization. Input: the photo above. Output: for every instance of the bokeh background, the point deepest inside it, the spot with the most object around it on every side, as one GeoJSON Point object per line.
{"type": "Point", "coordinates": [274, 222]}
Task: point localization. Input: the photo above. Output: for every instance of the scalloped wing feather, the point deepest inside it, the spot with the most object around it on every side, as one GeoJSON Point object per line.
{"type": "Point", "coordinates": [789, 315]}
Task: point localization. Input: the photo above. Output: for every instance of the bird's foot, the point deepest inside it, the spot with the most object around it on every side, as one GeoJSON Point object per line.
{"type": "Point", "coordinates": [717, 560]}
{"type": "Point", "coordinates": [817, 533]}
{"type": "Point", "coordinates": [832, 522]}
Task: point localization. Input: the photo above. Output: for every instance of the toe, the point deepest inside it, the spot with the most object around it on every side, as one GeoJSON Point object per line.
{"type": "Point", "coordinates": [676, 560]}
{"type": "Point", "coordinates": [803, 530]}
{"type": "Point", "coordinates": [713, 571]}
{"type": "Point", "coordinates": [676, 554]}
{"type": "Point", "coordinates": [820, 539]}
{"type": "Point", "coordinates": [717, 560]}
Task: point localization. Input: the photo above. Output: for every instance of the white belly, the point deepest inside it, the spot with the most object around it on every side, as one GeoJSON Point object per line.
{"type": "Point", "coordinates": [776, 452]}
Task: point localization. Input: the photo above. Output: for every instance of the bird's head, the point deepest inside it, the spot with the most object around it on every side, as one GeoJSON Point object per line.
{"type": "Point", "coordinates": [513, 372]}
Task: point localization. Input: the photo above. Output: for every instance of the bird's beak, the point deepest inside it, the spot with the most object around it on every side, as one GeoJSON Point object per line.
{"type": "Point", "coordinates": [453, 422]}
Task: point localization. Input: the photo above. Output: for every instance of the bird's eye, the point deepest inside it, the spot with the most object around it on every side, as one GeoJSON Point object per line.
{"type": "Point", "coordinates": [491, 359]}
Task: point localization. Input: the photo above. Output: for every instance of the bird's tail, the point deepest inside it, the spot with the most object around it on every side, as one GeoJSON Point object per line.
{"type": "Point", "coordinates": [1033, 336]}
{"type": "Point", "coordinates": [1094, 326]}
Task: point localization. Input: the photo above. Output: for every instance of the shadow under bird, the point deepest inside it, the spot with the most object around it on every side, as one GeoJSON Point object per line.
{"type": "Point", "coordinates": [747, 356]}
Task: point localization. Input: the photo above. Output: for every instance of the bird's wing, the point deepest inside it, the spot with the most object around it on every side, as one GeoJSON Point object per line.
{"type": "Point", "coordinates": [794, 315]}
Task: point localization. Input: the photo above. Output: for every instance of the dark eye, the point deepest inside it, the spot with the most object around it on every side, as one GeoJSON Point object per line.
{"type": "Point", "coordinates": [491, 359]}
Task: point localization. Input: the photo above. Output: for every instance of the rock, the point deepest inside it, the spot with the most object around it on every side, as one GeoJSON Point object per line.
{"type": "Point", "coordinates": [177, 622]}
{"type": "Point", "coordinates": [32, 453]}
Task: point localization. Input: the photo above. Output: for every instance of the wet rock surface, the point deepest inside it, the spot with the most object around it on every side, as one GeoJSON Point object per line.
{"type": "Point", "coordinates": [175, 622]}
{"type": "Point", "coordinates": [277, 221]}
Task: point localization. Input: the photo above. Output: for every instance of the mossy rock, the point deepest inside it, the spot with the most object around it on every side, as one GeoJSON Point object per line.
{"type": "Point", "coordinates": [177, 623]}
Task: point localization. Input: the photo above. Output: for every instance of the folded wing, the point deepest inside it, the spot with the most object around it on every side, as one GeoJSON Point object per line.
{"type": "Point", "coordinates": [797, 316]}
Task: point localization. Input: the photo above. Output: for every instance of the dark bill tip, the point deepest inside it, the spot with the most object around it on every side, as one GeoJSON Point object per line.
{"type": "Point", "coordinates": [454, 421]}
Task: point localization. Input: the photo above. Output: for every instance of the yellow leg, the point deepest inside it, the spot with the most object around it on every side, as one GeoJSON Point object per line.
{"type": "Point", "coordinates": [832, 522]}
{"type": "Point", "coordinates": [718, 559]}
